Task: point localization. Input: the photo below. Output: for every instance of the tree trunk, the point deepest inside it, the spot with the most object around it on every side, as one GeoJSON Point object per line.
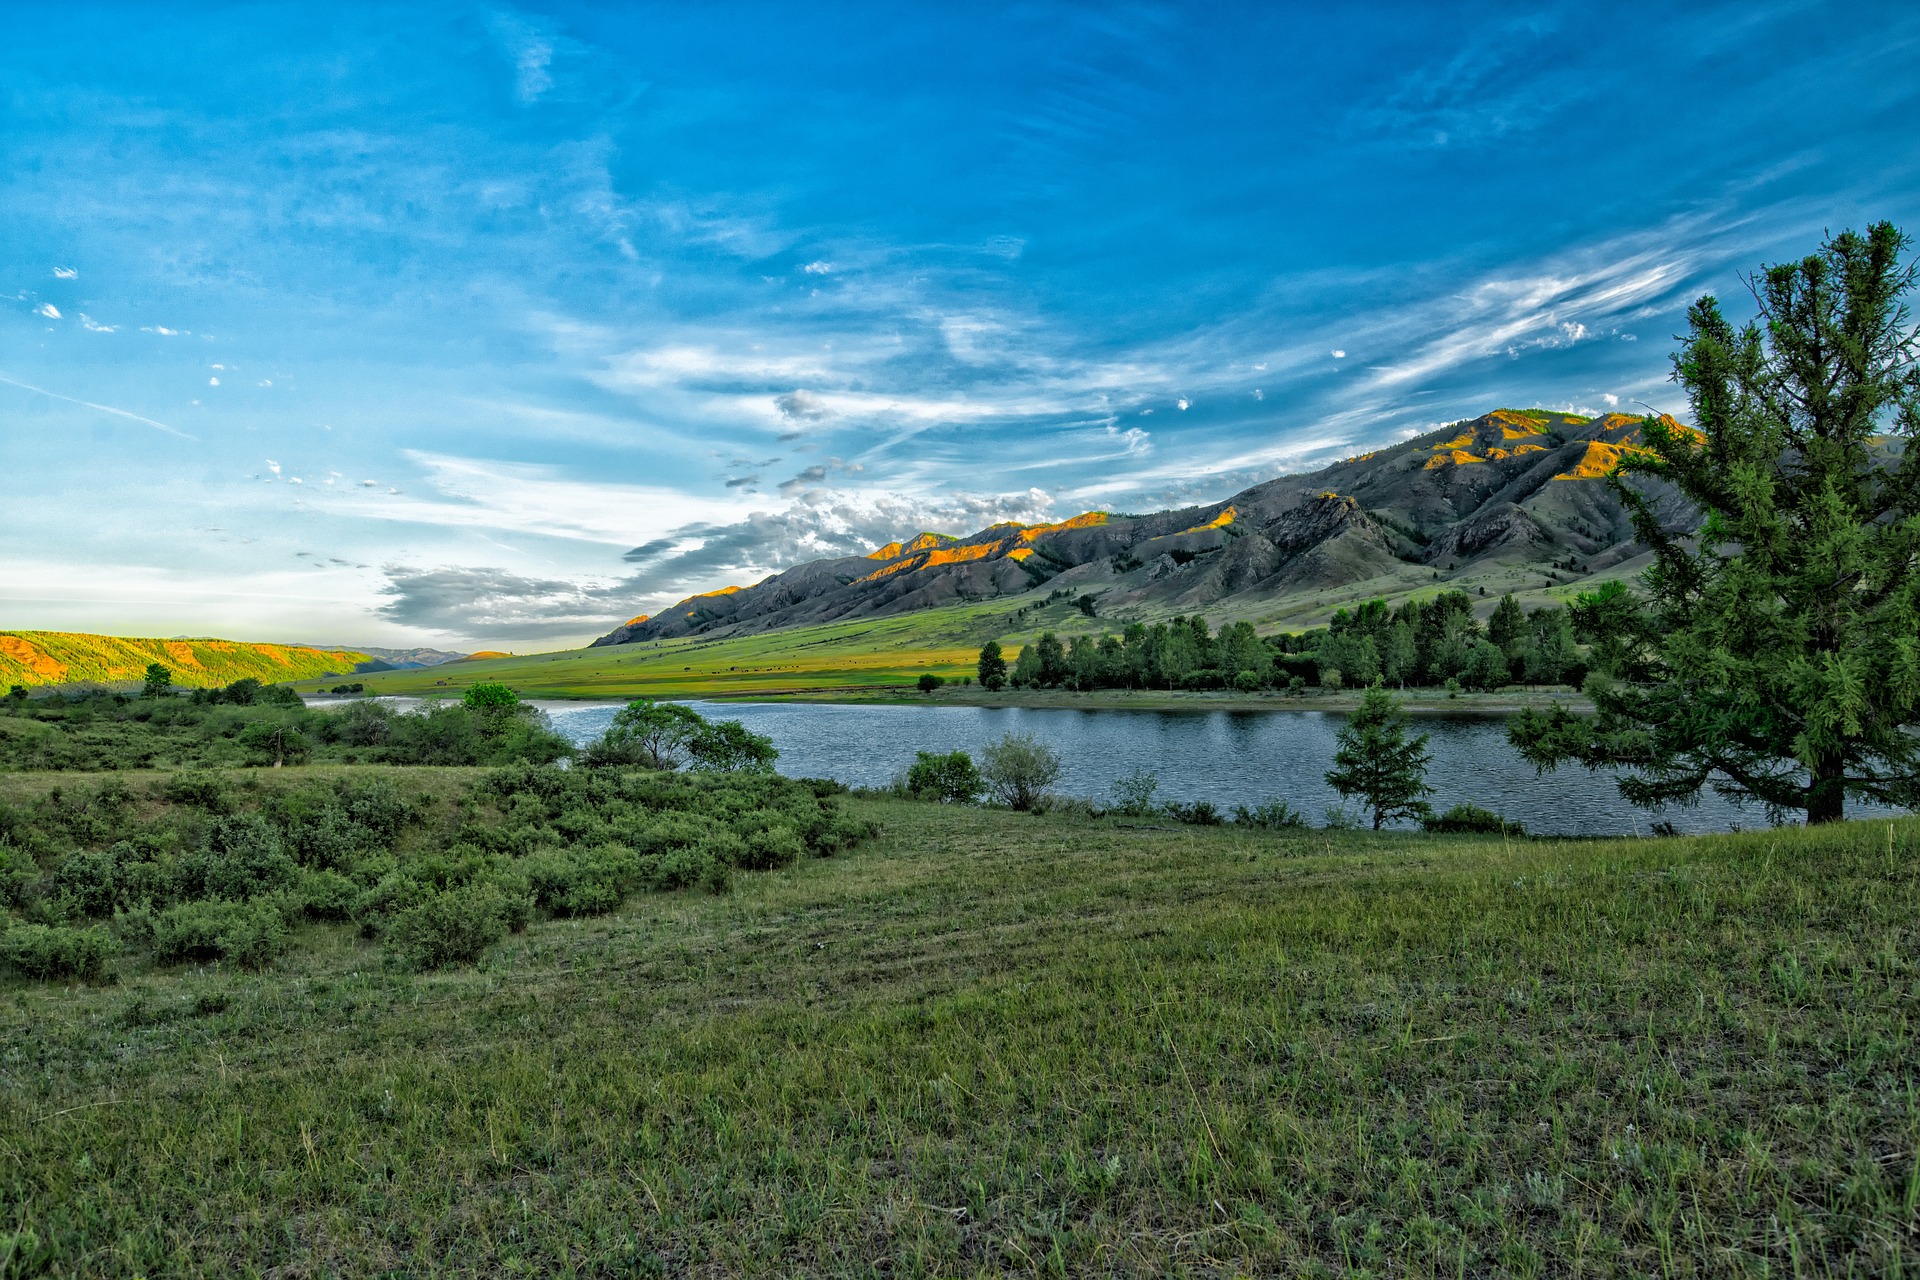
{"type": "Point", "coordinates": [1827, 796]}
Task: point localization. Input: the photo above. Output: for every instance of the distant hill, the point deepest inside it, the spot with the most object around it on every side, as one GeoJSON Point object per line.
{"type": "Point", "coordinates": [65, 657]}
{"type": "Point", "coordinates": [1514, 498]}
{"type": "Point", "coordinates": [394, 659]}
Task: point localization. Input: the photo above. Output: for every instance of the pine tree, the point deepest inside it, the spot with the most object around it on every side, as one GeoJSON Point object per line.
{"type": "Point", "coordinates": [993, 667]}
{"type": "Point", "coordinates": [1377, 761]}
{"type": "Point", "coordinates": [1779, 659]}
{"type": "Point", "coordinates": [1508, 625]}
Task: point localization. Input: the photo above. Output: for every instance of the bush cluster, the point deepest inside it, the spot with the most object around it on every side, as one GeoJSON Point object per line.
{"type": "Point", "coordinates": [265, 726]}
{"type": "Point", "coordinates": [205, 868]}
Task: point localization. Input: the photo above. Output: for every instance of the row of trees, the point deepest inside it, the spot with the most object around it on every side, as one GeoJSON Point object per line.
{"type": "Point", "coordinates": [1420, 643]}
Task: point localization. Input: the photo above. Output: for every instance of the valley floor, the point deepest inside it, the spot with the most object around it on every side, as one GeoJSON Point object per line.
{"type": "Point", "coordinates": [988, 1043]}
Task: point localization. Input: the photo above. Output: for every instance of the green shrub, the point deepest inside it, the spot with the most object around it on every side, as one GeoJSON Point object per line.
{"type": "Point", "coordinates": [18, 869]}
{"type": "Point", "coordinates": [727, 746]}
{"type": "Point", "coordinates": [583, 882]}
{"type": "Point", "coordinates": [241, 857]}
{"type": "Point", "coordinates": [374, 908]}
{"type": "Point", "coordinates": [48, 951]}
{"type": "Point", "coordinates": [952, 778]}
{"type": "Point", "coordinates": [1133, 793]}
{"type": "Point", "coordinates": [840, 832]}
{"type": "Point", "coordinates": [199, 790]}
{"type": "Point", "coordinates": [1020, 769]}
{"type": "Point", "coordinates": [275, 743]}
{"type": "Point", "coordinates": [452, 927]}
{"type": "Point", "coordinates": [249, 933]}
{"type": "Point", "coordinates": [1274, 814]}
{"type": "Point", "coordinates": [1199, 813]}
{"type": "Point", "coordinates": [326, 895]}
{"type": "Point", "coordinates": [771, 848]}
{"type": "Point", "coordinates": [88, 878]}
{"type": "Point", "coordinates": [1471, 819]}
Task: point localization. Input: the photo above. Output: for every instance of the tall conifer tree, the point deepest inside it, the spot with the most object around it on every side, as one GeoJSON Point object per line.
{"type": "Point", "coordinates": [1776, 654]}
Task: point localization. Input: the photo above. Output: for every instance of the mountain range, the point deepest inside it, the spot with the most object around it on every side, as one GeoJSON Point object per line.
{"type": "Point", "coordinates": [1514, 498]}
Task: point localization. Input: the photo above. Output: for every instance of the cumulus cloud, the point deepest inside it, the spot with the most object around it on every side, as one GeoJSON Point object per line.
{"type": "Point", "coordinates": [89, 323]}
{"type": "Point", "coordinates": [818, 268]}
{"type": "Point", "coordinates": [213, 382]}
{"type": "Point", "coordinates": [812, 475]}
{"type": "Point", "coordinates": [65, 273]}
{"type": "Point", "coordinates": [488, 601]}
{"type": "Point", "coordinates": [1338, 354]}
{"type": "Point", "coordinates": [698, 556]}
{"type": "Point", "coordinates": [800, 406]}
{"type": "Point", "coordinates": [48, 310]}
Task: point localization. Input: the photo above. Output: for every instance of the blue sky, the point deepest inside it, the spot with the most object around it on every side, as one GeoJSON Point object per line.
{"type": "Point", "coordinates": [475, 325]}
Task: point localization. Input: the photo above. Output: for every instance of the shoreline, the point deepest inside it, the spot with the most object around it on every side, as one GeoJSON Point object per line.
{"type": "Point", "coordinates": [1415, 701]}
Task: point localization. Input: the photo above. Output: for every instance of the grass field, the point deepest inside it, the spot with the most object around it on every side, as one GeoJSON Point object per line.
{"type": "Point", "coordinates": [989, 1044]}
{"type": "Point", "coordinates": [867, 656]}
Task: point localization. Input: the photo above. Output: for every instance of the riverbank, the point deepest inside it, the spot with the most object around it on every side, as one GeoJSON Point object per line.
{"type": "Point", "coordinates": [989, 1043]}
{"type": "Point", "coordinates": [1501, 702]}
{"type": "Point", "coordinates": [1497, 703]}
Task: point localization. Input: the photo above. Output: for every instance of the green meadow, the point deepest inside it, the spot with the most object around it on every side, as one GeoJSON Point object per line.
{"type": "Point", "coordinates": [866, 656]}
{"type": "Point", "coordinates": [987, 1043]}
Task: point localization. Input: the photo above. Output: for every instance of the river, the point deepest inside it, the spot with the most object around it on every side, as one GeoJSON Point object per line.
{"type": "Point", "coordinates": [1227, 757]}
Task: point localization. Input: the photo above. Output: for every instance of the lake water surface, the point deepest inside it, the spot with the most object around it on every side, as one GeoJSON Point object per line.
{"type": "Point", "coordinates": [1228, 757]}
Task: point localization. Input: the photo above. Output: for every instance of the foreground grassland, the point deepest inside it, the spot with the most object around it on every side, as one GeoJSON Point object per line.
{"type": "Point", "coordinates": [986, 1043]}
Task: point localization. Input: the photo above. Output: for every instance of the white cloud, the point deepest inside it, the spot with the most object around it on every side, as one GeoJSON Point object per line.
{"type": "Point", "coordinates": [213, 382]}
{"type": "Point", "coordinates": [1612, 400]}
{"type": "Point", "coordinates": [1258, 394]}
{"type": "Point", "coordinates": [532, 52]}
{"type": "Point", "coordinates": [273, 466]}
{"type": "Point", "coordinates": [1338, 354]}
{"type": "Point", "coordinates": [819, 267]}
{"type": "Point", "coordinates": [165, 332]}
{"type": "Point", "coordinates": [65, 273]}
{"type": "Point", "coordinates": [89, 323]}
{"type": "Point", "coordinates": [48, 310]}
{"type": "Point", "coordinates": [1183, 404]}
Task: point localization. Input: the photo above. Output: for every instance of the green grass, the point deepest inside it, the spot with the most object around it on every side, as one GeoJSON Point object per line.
{"type": "Point", "coordinates": [987, 1044]}
{"type": "Point", "coordinates": [838, 658]}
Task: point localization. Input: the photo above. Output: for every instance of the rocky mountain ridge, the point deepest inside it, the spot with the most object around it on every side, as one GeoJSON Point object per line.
{"type": "Point", "coordinates": [1513, 491]}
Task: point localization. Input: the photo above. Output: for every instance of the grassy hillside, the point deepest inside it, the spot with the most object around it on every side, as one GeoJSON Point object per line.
{"type": "Point", "coordinates": [65, 657]}
{"type": "Point", "coordinates": [993, 1044]}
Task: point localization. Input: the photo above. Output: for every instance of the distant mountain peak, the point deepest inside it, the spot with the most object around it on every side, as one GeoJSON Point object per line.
{"type": "Point", "coordinates": [1509, 495]}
